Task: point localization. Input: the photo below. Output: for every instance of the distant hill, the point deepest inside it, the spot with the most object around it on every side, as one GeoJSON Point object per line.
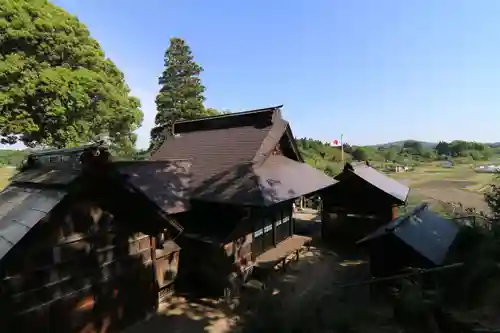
{"type": "Point", "coordinates": [425, 144]}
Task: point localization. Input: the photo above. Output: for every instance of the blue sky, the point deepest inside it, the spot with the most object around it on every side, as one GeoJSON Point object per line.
{"type": "Point", "coordinates": [376, 71]}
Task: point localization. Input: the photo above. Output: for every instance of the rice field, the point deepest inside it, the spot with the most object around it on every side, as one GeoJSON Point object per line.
{"type": "Point", "coordinates": [459, 184]}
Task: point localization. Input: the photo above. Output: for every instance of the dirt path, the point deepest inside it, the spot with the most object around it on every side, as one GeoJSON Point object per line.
{"type": "Point", "coordinates": [183, 316]}
{"type": "Point", "coordinates": [304, 281]}
{"type": "Point", "coordinates": [317, 271]}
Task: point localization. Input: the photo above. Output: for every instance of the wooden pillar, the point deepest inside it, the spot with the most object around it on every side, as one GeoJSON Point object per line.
{"type": "Point", "coordinates": [394, 212]}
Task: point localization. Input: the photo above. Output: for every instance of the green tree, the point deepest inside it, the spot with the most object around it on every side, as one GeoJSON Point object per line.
{"type": "Point", "coordinates": [360, 154]}
{"type": "Point", "coordinates": [492, 198]}
{"type": "Point", "coordinates": [347, 148]}
{"type": "Point", "coordinates": [57, 88]}
{"type": "Point", "coordinates": [390, 154]}
{"type": "Point", "coordinates": [214, 112]}
{"type": "Point", "coordinates": [443, 148]}
{"type": "Point", "coordinates": [459, 148]}
{"type": "Point", "coordinates": [413, 147]}
{"type": "Point", "coordinates": [181, 93]}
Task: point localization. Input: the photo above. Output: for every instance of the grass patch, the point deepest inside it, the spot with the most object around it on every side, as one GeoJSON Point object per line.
{"type": "Point", "coordinates": [5, 174]}
{"type": "Point", "coordinates": [431, 172]}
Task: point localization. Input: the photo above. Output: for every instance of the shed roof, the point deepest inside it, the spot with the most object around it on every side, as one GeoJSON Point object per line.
{"type": "Point", "coordinates": [233, 162]}
{"type": "Point", "coordinates": [376, 178]}
{"type": "Point", "coordinates": [276, 180]}
{"type": "Point", "coordinates": [20, 210]}
{"type": "Point", "coordinates": [36, 190]}
{"type": "Point", "coordinates": [425, 231]}
{"type": "Point", "coordinates": [166, 183]}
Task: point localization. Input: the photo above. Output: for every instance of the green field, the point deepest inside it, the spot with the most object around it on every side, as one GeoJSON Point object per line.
{"type": "Point", "coordinates": [459, 184]}
{"type": "Point", "coordinates": [5, 174]}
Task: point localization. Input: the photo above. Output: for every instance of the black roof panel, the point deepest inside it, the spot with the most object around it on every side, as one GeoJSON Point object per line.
{"type": "Point", "coordinates": [425, 231]}
{"type": "Point", "coordinates": [379, 180]}
{"type": "Point", "coordinates": [20, 210]}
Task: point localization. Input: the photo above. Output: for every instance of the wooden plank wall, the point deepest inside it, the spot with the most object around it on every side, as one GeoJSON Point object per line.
{"type": "Point", "coordinates": [88, 274]}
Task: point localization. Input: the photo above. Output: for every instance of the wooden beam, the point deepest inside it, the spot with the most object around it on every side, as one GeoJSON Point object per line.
{"type": "Point", "coordinates": [401, 276]}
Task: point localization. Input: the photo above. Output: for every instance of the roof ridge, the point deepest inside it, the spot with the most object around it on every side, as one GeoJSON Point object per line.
{"type": "Point", "coordinates": [231, 114]}
{"type": "Point", "coordinates": [261, 156]}
{"type": "Point", "coordinates": [260, 118]}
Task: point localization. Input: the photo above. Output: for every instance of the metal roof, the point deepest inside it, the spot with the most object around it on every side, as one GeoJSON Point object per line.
{"type": "Point", "coordinates": [46, 176]}
{"type": "Point", "coordinates": [425, 231]}
{"type": "Point", "coordinates": [380, 180]}
{"type": "Point", "coordinates": [20, 210]}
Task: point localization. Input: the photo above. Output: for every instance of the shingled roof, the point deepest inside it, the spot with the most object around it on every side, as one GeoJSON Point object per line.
{"type": "Point", "coordinates": [48, 176]}
{"type": "Point", "coordinates": [233, 159]}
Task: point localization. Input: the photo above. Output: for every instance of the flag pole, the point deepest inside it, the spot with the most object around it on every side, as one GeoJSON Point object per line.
{"type": "Point", "coordinates": [342, 147]}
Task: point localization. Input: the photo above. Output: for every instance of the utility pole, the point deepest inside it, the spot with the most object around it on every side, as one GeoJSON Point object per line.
{"type": "Point", "coordinates": [342, 147]}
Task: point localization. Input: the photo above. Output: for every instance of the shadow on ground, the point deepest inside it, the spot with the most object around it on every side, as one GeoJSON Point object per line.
{"type": "Point", "coordinates": [306, 297]}
{"type": "Point", "coordinates": [182, 315]}
{"type": "Point", "coordinates": [302, 298]}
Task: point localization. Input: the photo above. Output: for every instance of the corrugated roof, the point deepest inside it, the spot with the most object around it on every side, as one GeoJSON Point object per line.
{"type": "Point", "coordinates": [20, 210]}
{"type": "Point", "coordinates": [425, 231]}
{"type": "Point", "coordinates": [166, 183]}
{"type": "Point", "coordinates": [379, 180]}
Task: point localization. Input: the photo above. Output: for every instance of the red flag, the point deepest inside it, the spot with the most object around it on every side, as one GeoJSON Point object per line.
{"type": "Point", "coordinates": [335, 142]}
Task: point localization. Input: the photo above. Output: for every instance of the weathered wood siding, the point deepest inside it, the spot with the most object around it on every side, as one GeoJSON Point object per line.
{"type": "Point", "coordinates": [352, 221]}
{"type": "Point", "coordinates": [83, 270]}
{"type": "Point", "coordinates": [208, 263]}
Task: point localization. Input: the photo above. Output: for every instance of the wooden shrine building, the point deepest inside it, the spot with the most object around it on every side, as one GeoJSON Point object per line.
{"type": "Point", "coordinates": [246, 172]}
{"type": "Point", "coordinates": [86, 244]}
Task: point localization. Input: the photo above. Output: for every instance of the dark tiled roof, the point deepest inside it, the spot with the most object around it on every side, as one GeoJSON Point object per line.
{"type": "Point", "coordinates": [34, 192]}
{"type": "Point", "coordinates": [46, 176]}
{"type": "Point", "coordinates": [221, 150]}
{"type": "Point", "coordinates": [378, 179]}
{"type": "Point", "coordinates": [232, 162]}
{"type": "Point", "coordinates": [21, 209]}
{"type": "Point", "coordinates": [281, 179]}
{"type": "Point", "coordinates": [425, 231]}
{"type": "Point", "coordinates": [166, 183]}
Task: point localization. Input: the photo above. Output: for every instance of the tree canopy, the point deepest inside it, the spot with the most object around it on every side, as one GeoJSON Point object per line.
{"type": "Point", "coordinates": [327, 158]}
{"type": "Point", "coordinates": [322, 155]}
{"type": "Point", "coordinates": [57, 88]}
{"type": "Point", "coordinates": [360, 154]}
{"type": "Point", "coordinates": [181, 93]}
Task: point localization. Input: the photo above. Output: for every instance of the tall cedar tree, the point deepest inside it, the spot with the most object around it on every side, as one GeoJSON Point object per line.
{"type": "Point", "coordinates": [57, 88]}
{"type": "Point", "coordinates": [181, 94]}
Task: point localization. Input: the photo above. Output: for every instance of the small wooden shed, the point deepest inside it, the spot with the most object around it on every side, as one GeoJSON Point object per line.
{"type": "Point", "coordinates": [81, 239]}
{"type": "Point", "coordinates": [421, 238]}
{"type": "Point", "coordinates": [362, 200]}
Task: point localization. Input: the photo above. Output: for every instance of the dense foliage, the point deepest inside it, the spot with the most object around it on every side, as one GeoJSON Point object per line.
{"type": "Point", "coordinates": [327, 158]}
{"type": "Point", "coordinates": [181, 93]}
{"type": "Point", "coordinates": [322, 155]}
{"type": "Point", "coordinates": [57, 88]}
